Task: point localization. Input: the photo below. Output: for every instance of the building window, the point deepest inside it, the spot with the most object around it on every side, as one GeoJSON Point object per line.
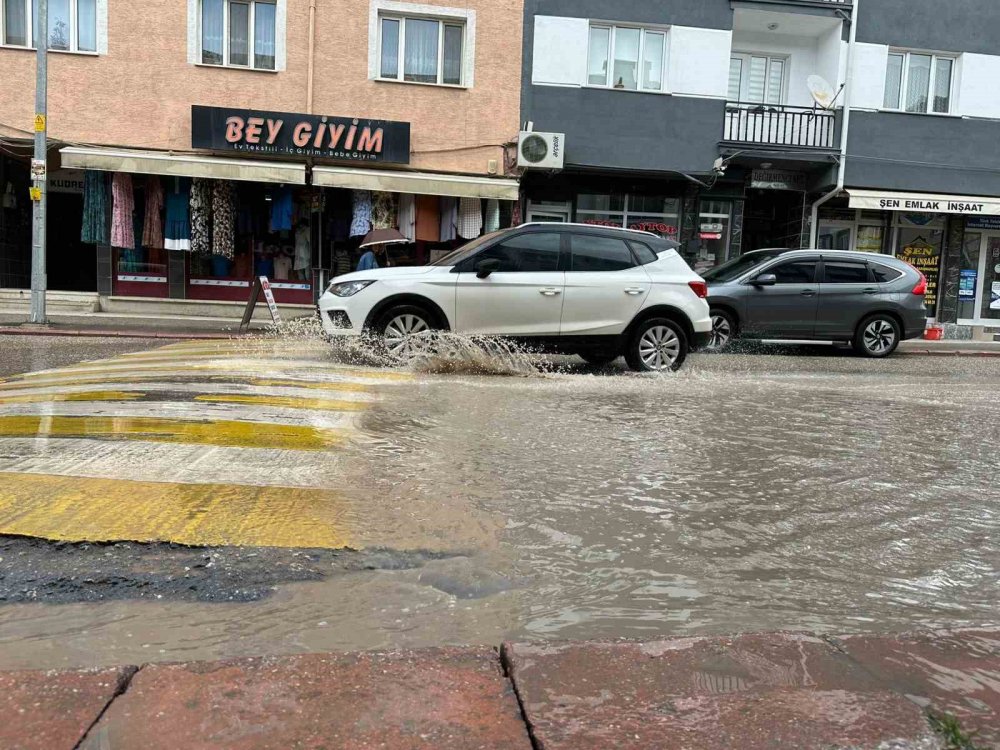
{"type": "Point", "coordinates": [647, 213]}
{"type": "Point", "coordinates": [628, 58]}
{"type": "Point", "coordinates": [421, 50]}
{"type": "Point", "coordinates": [72, 24]}
{"type": "Point", "coordinates": [917, 82]}
{"type": "Point", "coordinates": [239, 33]}
{"type": "Point", "coordinates": [757, 79]}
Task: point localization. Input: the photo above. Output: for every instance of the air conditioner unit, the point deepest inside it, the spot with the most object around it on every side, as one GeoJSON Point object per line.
{"type": "Point", "coordinates": [540, 150]}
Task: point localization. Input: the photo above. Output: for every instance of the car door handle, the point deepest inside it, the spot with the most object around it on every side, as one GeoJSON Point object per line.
{"type": "Point", "coordinates": [871, 290]}
{"type": "Point", "coordinates": [808, 292]}
{"type": "Point", "coordinates": [634, 290]}
{"type": "Point", "coordinates": [549, 291]}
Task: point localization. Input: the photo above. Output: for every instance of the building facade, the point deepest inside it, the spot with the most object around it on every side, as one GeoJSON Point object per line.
{"type": "Point", "coordinates": [279, 130]}
{"type": "Point", "coordinates": [721, 124]}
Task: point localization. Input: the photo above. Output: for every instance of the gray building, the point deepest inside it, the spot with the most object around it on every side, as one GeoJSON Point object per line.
{"type": "Point", "coordinates": [721, 124]}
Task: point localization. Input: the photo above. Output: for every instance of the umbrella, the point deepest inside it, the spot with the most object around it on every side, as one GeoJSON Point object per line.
{"type": "Point", "coordinates": [383, 237]}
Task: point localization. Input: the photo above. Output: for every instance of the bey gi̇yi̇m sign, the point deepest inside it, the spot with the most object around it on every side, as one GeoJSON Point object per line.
{"type": "Point", "coordinates": [255, 132]}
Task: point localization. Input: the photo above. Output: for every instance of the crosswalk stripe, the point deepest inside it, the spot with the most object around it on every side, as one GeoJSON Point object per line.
{"type": "Point", "coordinates": [42, 398]}
{"type": "Point", "coordinates": [290, 402]}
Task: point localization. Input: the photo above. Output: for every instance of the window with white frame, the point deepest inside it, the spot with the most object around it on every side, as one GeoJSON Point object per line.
{"type": "Point", "coordinates": [239, 33]}
{"type": "Point", "coordinates": [919, 82]}
{"type": "Point", "coordinates": [626, 57]}
{"type": "Point", "coordinates": [72, 24]}
{"type": "Point", "coordinates": [757, 79]}
{"type": "Point", "coordinates": [421, 50]}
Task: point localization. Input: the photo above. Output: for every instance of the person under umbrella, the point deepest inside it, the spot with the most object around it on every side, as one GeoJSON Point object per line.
{"type": "Point", "coordinates": [376, 241]}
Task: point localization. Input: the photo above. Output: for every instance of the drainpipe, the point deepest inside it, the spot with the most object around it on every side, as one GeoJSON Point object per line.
{"type": "Point", "coordinates": [312, 54]}
{"type": "Point", "coordinates": [845, 129]}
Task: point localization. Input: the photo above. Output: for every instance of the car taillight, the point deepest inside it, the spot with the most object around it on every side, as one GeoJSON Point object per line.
{"type": "Point", "coordinates": [921, 287]}
{"type": "Point", "coordinates": [699, 287]}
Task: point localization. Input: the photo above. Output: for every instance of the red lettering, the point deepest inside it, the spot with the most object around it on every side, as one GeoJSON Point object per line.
{"type": "Point", "coordinates": [273, 128]}
{"type": "Point", "coordinates": [255, 126]}
{"type": "Point", "coordinates": [320, 132]}
{"type": "Point", "coordinates": [336, 131]}
{"type": "Point", "coordinates": [234, 129]}
{"type": "Point", "coordinates": [302, 134]}
{"type": "Point", "coordinates": [350, 136]}
{"type": "Point", "coordinates": [370, 141]}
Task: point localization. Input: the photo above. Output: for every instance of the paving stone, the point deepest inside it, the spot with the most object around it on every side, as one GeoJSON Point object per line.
{"type": "Point", "coordinates": [748, 692]}
{"type": "Point", "coordinates": [437, 698]}
{"type": "Point", "coordinates": [955, 672]}
{"type": "Point", "coordinates": [53, 710]}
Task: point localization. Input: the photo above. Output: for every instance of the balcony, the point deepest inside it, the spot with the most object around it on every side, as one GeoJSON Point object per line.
{"type": "Point", "coordinates": [781, 126]}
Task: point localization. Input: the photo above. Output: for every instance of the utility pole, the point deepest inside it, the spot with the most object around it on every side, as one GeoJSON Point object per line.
{"type": "Point", "coordinates": [39, 191]}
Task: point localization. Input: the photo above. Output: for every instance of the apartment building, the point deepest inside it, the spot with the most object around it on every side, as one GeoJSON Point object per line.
{"type": "Point", "coordinates": [722, 124]}
{"type": "Point", "coordinates": [198, 143]}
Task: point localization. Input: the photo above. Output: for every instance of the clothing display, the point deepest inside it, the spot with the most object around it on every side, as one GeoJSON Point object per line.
{"type": "Point", "coordinates": [95, 209]}
{"type": "Point", "coordinates": [492, 215]}
{"type": "Point", "coordinates": [123, 206]}
{"type": "Point", "coordinates": [506, 213]}
{"type": "Point", "coordinates": [282, 267]}
{"type": "Point", "coordinates": [339, 227]}
{"type": "Point", "coordinates": [201, 214]}
{"type": "Point", "coordinates": [361, 213]}
{"type": "Point", "coordinates": [449, 218]}
{"type": "Point", "coordinates": [428, 218]}
{"type": "Point", "coordinates": [408, 216]}
{"type": "Point", "coordinates": [282, 210]}
{"type": "Point", "coordinates": [303, 248]}
{"type": "Point", "coordinates": [470, 218]}
{"type": "Point", "coordinates": [152, 228]}
{"type": "Point", "coordinates": [177, 229]}
{"type": "Point", "coordinates": [341, 263]}
{"type": "Point", "coordinates": [383, 211]}
{"type": "Point", "coordinates": [223, 218]}
{"type": "Point", "coordinates": [515, 215]}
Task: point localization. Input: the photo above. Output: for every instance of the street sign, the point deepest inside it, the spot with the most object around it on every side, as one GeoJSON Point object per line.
{"type": "Point", "coordinates": [39, 123]}
{"type": "Point", "coordinates": [260, 285]}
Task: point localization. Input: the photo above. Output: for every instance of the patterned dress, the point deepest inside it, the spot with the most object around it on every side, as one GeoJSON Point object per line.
{"type": "Point", "coordinates": [223, 219]}
{"type": "Point", "coordinates": [122, 230]}
{"type": "Point", "coordinates": [201, 214]}
{"type": "Point", "coordinates": [361, 213]}
{"type": "Point", "coordinates": [383, 211]}
{"type": "Point", "coordinates": [152, 229]}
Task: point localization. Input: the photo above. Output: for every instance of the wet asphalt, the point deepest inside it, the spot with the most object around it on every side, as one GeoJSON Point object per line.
{"type": "Point", "coordinates": [20, 353]}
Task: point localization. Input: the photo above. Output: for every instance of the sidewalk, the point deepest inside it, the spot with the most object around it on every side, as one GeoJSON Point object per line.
{"type": "Point", "coordinates": [750, 692]}
{"type": "Point", "coordinates": [950, 348]}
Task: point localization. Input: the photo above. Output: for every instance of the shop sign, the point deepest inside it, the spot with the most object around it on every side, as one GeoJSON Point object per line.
{"type": "Point", "coordinates": [924, 257]}
{"type": "Point", "coordinates": [967, 283]}
{"type": "Point", "coordinates": [656, 227]}
{"type": "Point", "coordinates": [38, 170]}
{"type": "Point", "coordinates": [261, 285]}
{"type": "Point", "coordinates": [66, 181]}
{"type": "Point", "coordinates": [932, 204]}
{"type": "Point", "coordinates": [983, 222]}
{"type": "Point", "coordinates": [254, 132]}
{"type": "Point", "coordinates": [777, 179]}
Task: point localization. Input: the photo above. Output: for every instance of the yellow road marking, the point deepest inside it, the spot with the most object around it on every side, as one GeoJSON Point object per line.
{"type": "Point", "coordinates": [59, 380]}
{"type": "Point", "coordinates": [211, 366]}
{"type": "Point", "coordinates": [41, 398]}
{"type": "Point", "coordinates": [159, 430]}
{"type": "Point", "coordinates": [290, 402]}
{"type": "Point", "coordinates": [75, 509]}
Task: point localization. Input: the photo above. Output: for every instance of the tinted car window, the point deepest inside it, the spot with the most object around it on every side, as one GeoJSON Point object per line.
{"type": "Point", "coordinates": [592, 253]}
{"type": "Point", "coordinates": [526, 253]}
{"type": "Point", "coordinates": [795, 272]}
{"type": "Point", "coordinates": [644, 252]}
{"type": "Point", "coordinates": [884, 274]}
{"type": "Point", "coordinates": [844, 272]}
{"type": "Point", "coordinates": [739, 266]}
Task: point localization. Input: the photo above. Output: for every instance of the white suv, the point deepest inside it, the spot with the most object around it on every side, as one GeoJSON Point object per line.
{"type": "Point", "coordinates": [598, 292]}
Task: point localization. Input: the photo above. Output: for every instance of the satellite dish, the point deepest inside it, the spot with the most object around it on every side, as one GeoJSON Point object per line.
{"type": "Point", "coordinates": [822, 92]}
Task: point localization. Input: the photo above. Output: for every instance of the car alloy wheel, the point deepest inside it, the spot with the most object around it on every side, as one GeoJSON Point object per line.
{"type": "Point", "coordinates": [722, 332]}
{"type": "Point", "coordinates": [879, 336]}
{"type": "Point", "coordinates": [399, 334]}
{"type": "Point", "coordinates": [659, 348]}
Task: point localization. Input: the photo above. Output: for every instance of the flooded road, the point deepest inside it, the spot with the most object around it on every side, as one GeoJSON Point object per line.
{"type": "Point", "coordinates": [746, 493]}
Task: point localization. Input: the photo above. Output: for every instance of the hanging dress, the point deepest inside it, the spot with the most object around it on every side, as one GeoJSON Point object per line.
{"type": "Point", "coordinates": [361, 213]}
{"type": "Point", "coordinates": [492, 215]}
{"type": "Point", "coordinates": [152, 228]}
{"type": "Point", "coordinates": [223, 219]}
{"type": "Point", "coordinates": [383, 211]}
{"type": "Point", "coordinates": [122, 229]}
{"type": "Point", "coordinates": [95, 209]}
{"type": "Point", "coordinates": [470, 218]}
{"type": "Point", "coordinates": [201, 213]}
{"type": "Point", "coordinates": [177, 230]}
{"type": "Point", "coordinates": [408, 216]}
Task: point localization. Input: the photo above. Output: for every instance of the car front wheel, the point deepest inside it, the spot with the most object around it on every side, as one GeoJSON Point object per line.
{"type": "Point", "coordinates": [877, 336]}
{"type": "Point", "coordinates": [723, 331]}
{"type": "Point", "coordinates": [657, 345]}
{"type": "Point", "coordinates": [397, 330]}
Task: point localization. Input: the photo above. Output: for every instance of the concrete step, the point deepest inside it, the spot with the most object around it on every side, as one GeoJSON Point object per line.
{"type": "Point", "coordinates": [17, 300]}
{"type": "Point", "coordinates": [184, 308]}
{"type": "Point", "coordinates": [111, 321]}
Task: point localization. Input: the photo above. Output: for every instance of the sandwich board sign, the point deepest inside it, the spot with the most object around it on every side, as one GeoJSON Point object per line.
{"type": "Point", "coordinates": [261, 285]}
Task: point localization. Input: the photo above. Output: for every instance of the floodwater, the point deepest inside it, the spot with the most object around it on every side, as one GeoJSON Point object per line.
{"type": "Point", "coordinates": [748, 492]}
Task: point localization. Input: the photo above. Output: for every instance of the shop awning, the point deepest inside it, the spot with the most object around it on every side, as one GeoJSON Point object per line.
{"type": "Point", "coordinates": [928, 203]}
{"type": "Point", "coordinates": [419, 183]}
{"type": "Point", "coordinates": [182, 165]}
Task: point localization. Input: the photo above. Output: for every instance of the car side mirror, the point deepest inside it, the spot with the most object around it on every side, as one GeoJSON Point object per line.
{"type": "Point", "coordinates": [487, 266]}
{"type": "Point", "coordinates": [765, 279]}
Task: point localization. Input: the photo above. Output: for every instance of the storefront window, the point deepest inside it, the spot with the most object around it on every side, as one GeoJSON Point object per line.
{"type": "Point", "coordinates": [713, 234]}
{"type": "Point", "coordinates": [919, 241]}
{"type": "Point", "coordinates": [991, 284]}
{"type": "Point", "coordinates": [646, 213]}
{"type": "Point", "coordinates": [833, 236]}
{"type": "Point", "coordinates": [870, 239]}
{"type": "Point", "coordinates": [968, 281]}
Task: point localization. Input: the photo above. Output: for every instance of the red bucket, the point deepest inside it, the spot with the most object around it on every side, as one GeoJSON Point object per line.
{"type": "Point", "coordinates": [934, 333]}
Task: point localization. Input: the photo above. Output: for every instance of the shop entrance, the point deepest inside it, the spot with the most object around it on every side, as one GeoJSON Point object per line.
{"type": "Point", "coordinates": [70, 265]}
{"type": "Point", "coordinates": [773, 218]}
{"type": "Point", "coordinates": [979, 284]}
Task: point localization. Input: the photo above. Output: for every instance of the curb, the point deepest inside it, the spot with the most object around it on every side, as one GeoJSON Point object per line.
{"type": "Point", "coordinates": [99, 333]}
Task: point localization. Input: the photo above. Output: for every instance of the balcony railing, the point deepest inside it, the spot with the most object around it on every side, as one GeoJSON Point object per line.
{"type": "Point", "coordinates": [780, 125]}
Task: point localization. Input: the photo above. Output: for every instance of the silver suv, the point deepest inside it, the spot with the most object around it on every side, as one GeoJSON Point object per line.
{"type": "Point", "coordinates": [817, 296]}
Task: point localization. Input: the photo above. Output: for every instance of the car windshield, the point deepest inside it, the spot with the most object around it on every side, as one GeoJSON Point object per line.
{"type": "Point", "coordinates": [739, 266]}
{"type": "Point", "coordinates": [457, 256]}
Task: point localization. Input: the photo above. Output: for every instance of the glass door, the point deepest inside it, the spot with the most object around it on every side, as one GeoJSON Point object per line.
{"type": "Point", "coordinates": [989, 302]}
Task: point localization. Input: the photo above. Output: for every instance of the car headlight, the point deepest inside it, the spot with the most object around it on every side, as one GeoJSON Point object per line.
{"type": "Point", "coordinates": [348, 288]}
